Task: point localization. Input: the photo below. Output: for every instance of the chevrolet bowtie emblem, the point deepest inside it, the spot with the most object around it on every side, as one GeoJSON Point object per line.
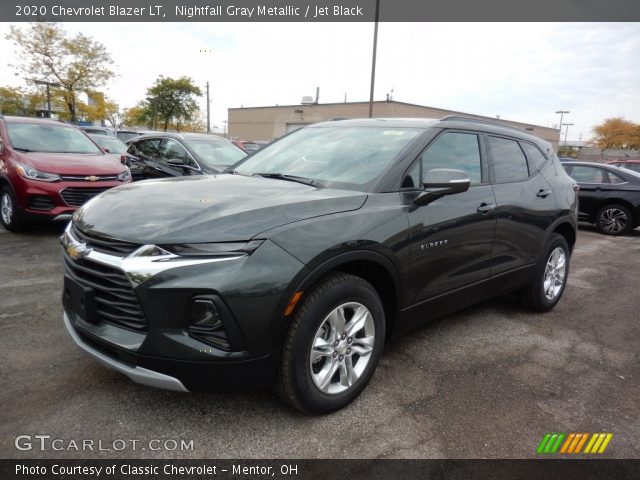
{"type": "Point", "coordinates": [77, 250]}
{"type": "Point", "coordinates": [92, 178]}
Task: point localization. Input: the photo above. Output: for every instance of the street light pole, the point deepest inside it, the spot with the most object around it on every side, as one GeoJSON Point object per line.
{"type": "Point", "coordinates": [562, 112]}
{"type": "Point", "coordinates": [566, 132]}
{"type": "Point", "coordinates": [49, 85]}
{"type": "Point", "coordinates": [373, 60]}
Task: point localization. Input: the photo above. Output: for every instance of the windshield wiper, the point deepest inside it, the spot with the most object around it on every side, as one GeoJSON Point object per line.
{"type": "Point", "coordinates": [289, 178]}
{"type": "Point", "coordinates": [236, 172]}
{"type": "Point", "coordinates": [22, 149]}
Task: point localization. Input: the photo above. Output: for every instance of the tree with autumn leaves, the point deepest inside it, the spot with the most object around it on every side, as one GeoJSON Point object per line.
{"type": "Point", "coordinates": [617, 133]}
{"type": "Point", "coordinates": [78, 64]}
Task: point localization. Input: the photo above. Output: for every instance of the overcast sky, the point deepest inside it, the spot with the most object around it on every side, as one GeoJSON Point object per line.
{"type": "Point", "coordinates": [520, 71]}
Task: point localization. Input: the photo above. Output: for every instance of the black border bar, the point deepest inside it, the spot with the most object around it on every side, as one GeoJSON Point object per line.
{"type": "Point", "coordinates": [319, 10]}
{"type": "Point", "coordinates": [583, 469]}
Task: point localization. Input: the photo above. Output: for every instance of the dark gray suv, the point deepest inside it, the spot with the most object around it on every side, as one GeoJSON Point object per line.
{"type": "Point", "coordinates": [296, 265]}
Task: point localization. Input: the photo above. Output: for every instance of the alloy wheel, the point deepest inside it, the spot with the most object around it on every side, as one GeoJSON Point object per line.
{"type": "Point", "coordinates": [554, 273]}
{"type": "Point", "coordinates": [6, 209]}
{"type": "Point", "coordinates": [613, 220]}
{"type": "Point", "coordinates": [342, 348]}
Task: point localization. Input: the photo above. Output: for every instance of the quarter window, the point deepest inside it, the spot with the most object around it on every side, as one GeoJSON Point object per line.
{"type": "Point", "coordinates": [459, 151]}
{"type": "Point", "coordinates": [613, 178]}
{"type": "Point", "coordinates": [534, 156]}
{"type": "Point", "coordinates": [509, 162]}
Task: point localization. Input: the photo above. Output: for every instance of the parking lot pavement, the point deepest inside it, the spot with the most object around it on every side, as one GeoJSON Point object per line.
{"type": "Point", "coordinates": [487, 382]}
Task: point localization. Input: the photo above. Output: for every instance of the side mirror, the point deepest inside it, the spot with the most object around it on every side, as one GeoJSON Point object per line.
{"type": "Point", "coordinates": [176, 162]}
{"type": "Point", "coordinates": [106, 150]}
{"type": "Point", "coordinates": [440, 182]}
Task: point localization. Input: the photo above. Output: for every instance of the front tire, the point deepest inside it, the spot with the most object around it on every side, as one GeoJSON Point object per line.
{"type": "Point", "coordinates": [333, 345]}
{"type": "Point", "coordinates": [614, 220]}
{"type": "Point", "coordinates": [550, 280]}
{"type": "Point", "coordinates": [10, 214]}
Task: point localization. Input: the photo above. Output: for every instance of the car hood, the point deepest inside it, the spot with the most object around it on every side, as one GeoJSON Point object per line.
{"type": "Point", "coordinates": [208, 208]}
{"type": "Point", "coordinates": [72, 163]}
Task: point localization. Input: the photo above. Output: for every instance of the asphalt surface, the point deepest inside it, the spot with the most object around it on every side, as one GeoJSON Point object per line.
{"type": "Point", "coordinates": [488, 382]}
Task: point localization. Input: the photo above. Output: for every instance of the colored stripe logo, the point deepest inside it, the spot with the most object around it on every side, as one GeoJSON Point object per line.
{"type": "Point", "coordinates": [573, 443]}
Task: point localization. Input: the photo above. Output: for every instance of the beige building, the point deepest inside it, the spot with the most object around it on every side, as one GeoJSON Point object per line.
{"type": "Point", "coordinates": [268, 123]}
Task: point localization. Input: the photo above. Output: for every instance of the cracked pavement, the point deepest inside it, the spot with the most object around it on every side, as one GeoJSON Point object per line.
{"type": "Point", "coordinates": [487, 382]}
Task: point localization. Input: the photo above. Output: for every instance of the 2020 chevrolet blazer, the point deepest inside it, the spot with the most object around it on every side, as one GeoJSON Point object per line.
{"type": "Point", "coordinates": [298, 263]}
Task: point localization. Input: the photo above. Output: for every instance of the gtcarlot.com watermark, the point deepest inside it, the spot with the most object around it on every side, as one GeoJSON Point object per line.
{"type": "Point", "coordinates": [52, 444]}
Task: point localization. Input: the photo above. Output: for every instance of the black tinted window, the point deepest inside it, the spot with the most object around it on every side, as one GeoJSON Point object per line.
{"type": "Point", "coordinates": [149, 148]}
{"type": "Point", "coordinates": [172, 150]}
{"type": "Point", "coordinates": [535, 157]}
{"type": "Point", "coordinates": [509, 162]}
{"type": "Point", "coordinates": [454, 150]}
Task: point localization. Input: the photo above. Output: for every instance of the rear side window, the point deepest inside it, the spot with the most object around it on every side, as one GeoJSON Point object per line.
{"type": "Point", "coordinates": [149, 148]}
{"type": "Point", "coordinates": [583, 174]}
{"type": "Point", "coordinates": [534, 156]}
{"type": "Point", "coordinates": [509, 162]}
{"type": "Point", "coordinates": [460, 151]}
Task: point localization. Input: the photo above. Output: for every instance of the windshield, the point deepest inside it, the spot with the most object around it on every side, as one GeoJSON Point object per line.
{"type": "Point", "coordinates": [46, 137]}
{"type": "Point", "coordinates": [111, 143]}
{"type": "Point", "coordinates": [341, 157]}
{"type": "Point", "coordinates": [250, 147]}
{"type": "Point", "coordinates": [215, 153]}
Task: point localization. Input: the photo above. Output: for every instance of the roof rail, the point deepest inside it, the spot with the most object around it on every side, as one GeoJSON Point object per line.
{"type": "Point", "coordinates": [457, 118]}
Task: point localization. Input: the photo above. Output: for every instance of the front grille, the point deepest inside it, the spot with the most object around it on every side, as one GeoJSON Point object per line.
{"type": "Point", "coordinates": [89, 178]}
{"type": "Point", "coordinates": [116, 302]}
{"type": "Point", "coordinates": [40, 202]}
{"type": "Point", "coordinates": [103, 244]}
{"type": "Point", "coordinates": [76, 197]}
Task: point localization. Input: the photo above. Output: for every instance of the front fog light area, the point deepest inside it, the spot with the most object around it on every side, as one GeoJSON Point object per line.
{"type": "Point", "coordinates": [206, 324]}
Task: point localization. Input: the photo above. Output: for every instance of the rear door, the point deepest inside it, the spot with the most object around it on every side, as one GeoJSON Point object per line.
{"type": "Point", "coordinates": [526, 204]}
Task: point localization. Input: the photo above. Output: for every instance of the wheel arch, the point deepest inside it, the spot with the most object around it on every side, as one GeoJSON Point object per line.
{"type": "Point", "coordinates": [372, 267]}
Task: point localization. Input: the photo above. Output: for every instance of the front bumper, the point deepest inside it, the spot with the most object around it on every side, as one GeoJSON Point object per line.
{"type": "Point", "coordinates": [137, 373]}
{"type": "Point", "coordinates": [158, 348]}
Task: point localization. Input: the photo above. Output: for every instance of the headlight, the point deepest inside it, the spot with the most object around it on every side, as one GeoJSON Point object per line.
{"type": "Point", "coordinates": [125, 176]}
{"type": "Point", "coordinates": [31, 173]}
{"type": "Point", "coordinates": [213, 249]}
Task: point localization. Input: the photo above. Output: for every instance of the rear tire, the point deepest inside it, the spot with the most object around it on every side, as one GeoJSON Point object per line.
{"type": "Point", "coordinates": [614, 220]}
{"type": "Point", "coordinates": [333, 345]}
{"type": "Point", "coordinates": [550, 280]}
{"type": "Point", "coordinates": [10, 214]}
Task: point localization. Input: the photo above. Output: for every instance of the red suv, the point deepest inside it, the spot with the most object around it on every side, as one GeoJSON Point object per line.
{"type": "Point", "coordinates": [48, 169]}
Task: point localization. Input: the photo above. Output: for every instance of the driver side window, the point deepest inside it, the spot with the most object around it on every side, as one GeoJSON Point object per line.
{"type": "Point", "coordinates": [173, 150]}
{"type": "Point", "coordinates": [460, 151]}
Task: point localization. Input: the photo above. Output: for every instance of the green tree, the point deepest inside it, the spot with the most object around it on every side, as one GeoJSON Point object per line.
{"type": "Point", "coordinates": [172, 101]}
{"type": "Point", "coordinates": [78, 63]}
{"type": "Point", "coordinates": [617, 133]}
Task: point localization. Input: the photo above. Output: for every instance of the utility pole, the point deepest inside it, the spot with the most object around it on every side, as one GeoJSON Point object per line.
{"type": "Point", "coordinates": [373, 60]}
{"type": "Point", "coordinates": [49, 85]}
{"type": "Point", "coordinates": [208, 111]}
{"type": "Point", "coordinates": [562, 112]}
{"type": "Point", "coordinates": [566, 133]}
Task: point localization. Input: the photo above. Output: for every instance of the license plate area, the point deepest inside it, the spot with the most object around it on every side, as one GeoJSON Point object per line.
{"type": "Point", "coordinates": [79, 299]}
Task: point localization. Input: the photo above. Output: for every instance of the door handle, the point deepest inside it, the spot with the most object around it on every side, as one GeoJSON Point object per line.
{"type": "Point", "coordinates": [486, 208]}
{"type": "Point", "coordinates": [543, 193]}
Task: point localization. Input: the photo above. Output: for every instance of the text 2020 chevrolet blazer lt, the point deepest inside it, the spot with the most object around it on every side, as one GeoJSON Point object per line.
{"type": "Point", "coordinates": [297, 264]}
